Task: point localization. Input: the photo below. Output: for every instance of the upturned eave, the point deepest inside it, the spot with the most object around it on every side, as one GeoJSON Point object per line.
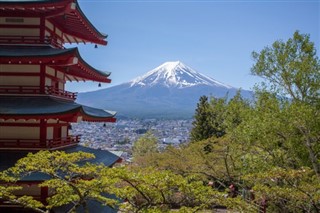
{"type": "Point", "coordinates": [66, 14]}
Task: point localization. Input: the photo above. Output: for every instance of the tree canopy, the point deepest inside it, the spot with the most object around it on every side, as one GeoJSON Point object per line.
{"type": "Point", "coordinates": [135, 189]}
{"type": "Point", "coordinates": [259, 155]}
{"type": "Point", "coordinates": [290, 68]}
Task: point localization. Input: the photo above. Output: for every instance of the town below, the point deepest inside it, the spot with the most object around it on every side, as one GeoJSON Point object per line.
{"type": "Point", "coordinates": [120, 136]}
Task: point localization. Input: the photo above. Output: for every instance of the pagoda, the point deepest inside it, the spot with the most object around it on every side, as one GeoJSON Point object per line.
{"type": "Point", "coordinates": [36, 111]}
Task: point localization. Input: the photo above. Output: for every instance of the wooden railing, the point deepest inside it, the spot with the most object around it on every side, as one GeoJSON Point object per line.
{"type": "Point", "coordinates": [10, 143]}
{"type": "Point", "coordinates": [59, 92]}
{"type": "Point", "coordinates": [30, 40]}
{"type": "Point", "coordinates": [32, 90]}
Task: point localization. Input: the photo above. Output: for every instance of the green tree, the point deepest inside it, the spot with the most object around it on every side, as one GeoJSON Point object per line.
{"type": "Point", "coordinates": [236, 109]}
{"type": "Point", "coordinates": [278, 137]}
{"type": "Point", "coordinates": [145, 145]}
{"type": "Point", "coordinates": [7, 193]}
{"type": "Point", "coordinates": [70, 182]}
{"type": "Point", "coordinates": [267, 144]}
{"type": "Point", "coordinates": [75, 182]}
{"type": "Point", "coordinates": [304, 126]}
{"type": "Point", "coordinates": [291, 68]}
{"type": "Point", "coordinates": [217, 115]}
{"type": "Point", "coordinates": [201, 128]}
{"type": "Point", "coordinates": [287, 190]}
{"type": "Point", "coordinates": [153, 190]}
{"type": "Point", "coordinates": [208, 119]}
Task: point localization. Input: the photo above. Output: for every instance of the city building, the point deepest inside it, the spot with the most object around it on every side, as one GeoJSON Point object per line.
{"type": "Point", "coordinates": [36, 111]}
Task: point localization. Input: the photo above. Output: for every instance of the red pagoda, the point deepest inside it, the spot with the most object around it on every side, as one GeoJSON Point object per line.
{"type": "Point", "coordinates": [36, 111]}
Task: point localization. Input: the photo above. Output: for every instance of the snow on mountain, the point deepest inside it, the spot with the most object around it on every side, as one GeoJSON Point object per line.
{"type": "Point", "coordinates": [171, 90]}
{"type": "Point", "coordinates": [175, 74]}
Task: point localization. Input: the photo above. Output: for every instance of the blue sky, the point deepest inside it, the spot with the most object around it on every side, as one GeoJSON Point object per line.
{"type": "Point", "coordinates": [215, 38]}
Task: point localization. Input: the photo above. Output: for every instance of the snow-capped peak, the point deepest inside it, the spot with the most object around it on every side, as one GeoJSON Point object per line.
{"type": "Point", "coordinates": [174, 74]}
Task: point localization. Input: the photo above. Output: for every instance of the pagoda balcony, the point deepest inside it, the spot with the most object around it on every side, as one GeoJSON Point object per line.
{"type": "Point", "coordinates": [61, 93]}
{"type": "Point", "coordinates": [31, 40]}
{"type": "Point", "coordinates": [36, 90]}
{"type": "Point", "coordinates": [37, 144]}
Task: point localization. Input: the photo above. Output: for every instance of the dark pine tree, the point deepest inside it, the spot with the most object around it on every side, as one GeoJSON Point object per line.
{"type": "Point", "coordinates": [201, 126]}
{"type": "Point", "coordinates": [209, 119]}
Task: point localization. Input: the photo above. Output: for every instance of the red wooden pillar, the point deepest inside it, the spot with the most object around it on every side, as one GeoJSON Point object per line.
{"type": "Point", "coordinates": [43, 133]}
{"type": "Point", "coordinates": [42, 28]}
{"type": "Point", "coordinates": [42, 67]}
{"type": "Point", "coordinates": [44, 193]}
{"type": "Point", "coordinates": [42, 78]}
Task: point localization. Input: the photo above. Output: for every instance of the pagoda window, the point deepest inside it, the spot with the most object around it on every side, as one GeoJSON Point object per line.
{"type": "Point", "coordinates": [24, 33]}
{"type": "Point", "coordinates": [57, 129]}
{"type": "Point", "coordinates": [61, 86]}
{"type": "Point", "coordinates": [14, 20]}
{"type": "Point", "coordinates": [49, 25]}
{"type": "Point", "coordinates": [19, 132]}
{"type": "Point", "coordinates": [29, 189]}
{"type": "Point", "coordinates": [26, 79]}
{"type": "Point", "coordinates": [48, 82]}
{"type": "Point", "coordinates": [48, 36]}
{"type": "Point", "coordinates": [50, 71]}
{"type": "Point", "coordinates": [64, 131]}
{"type": "Point", "coordinates": [57, 133]}
{"type": "Point", "coordinates": [56, 85]}
{"type": "Point", "coordinates": [49, 133]}
{"type": "Point", "coordinates": [19, 21]}
{"type": "Point", "coordinates": [53, 35]}
{"type": "Point", "coordinates": [20, 81]}
{"type": "Point", "coordinates": [19, 68]}
{"type": "Point", "coordinates": [58, 32]}
{"type": "Point", "coordinates": [60, 75]}
{"type": "Point", "coordinates": [27, 30]}
{"type": "Point", "coordinates": [18, 76]}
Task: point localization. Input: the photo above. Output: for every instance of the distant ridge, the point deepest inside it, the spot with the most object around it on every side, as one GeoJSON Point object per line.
{"type": "Point", "coordinates": [171, 90]}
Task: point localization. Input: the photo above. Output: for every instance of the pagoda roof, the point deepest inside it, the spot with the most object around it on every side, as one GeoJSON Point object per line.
{"type": "Point", "coordinates": [68, 61]}
{"type": "Point", "coordinates": [66, 14]}
{"type": "Point", "coordinates": [47, 107]}
{"type": "Point", "coordinates": [9, 158]}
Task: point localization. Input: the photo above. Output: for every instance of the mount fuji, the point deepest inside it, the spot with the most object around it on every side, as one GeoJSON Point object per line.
{"type": "Point", "coordinates": [176, 75]}
{"type": "Point", "coordinates": [171, 90]}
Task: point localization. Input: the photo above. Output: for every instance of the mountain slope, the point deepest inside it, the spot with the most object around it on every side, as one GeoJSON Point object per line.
{"type": "Point", "coordinates": [175, 74]}
{"type": "Point", "coordinates": [171, 90]}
